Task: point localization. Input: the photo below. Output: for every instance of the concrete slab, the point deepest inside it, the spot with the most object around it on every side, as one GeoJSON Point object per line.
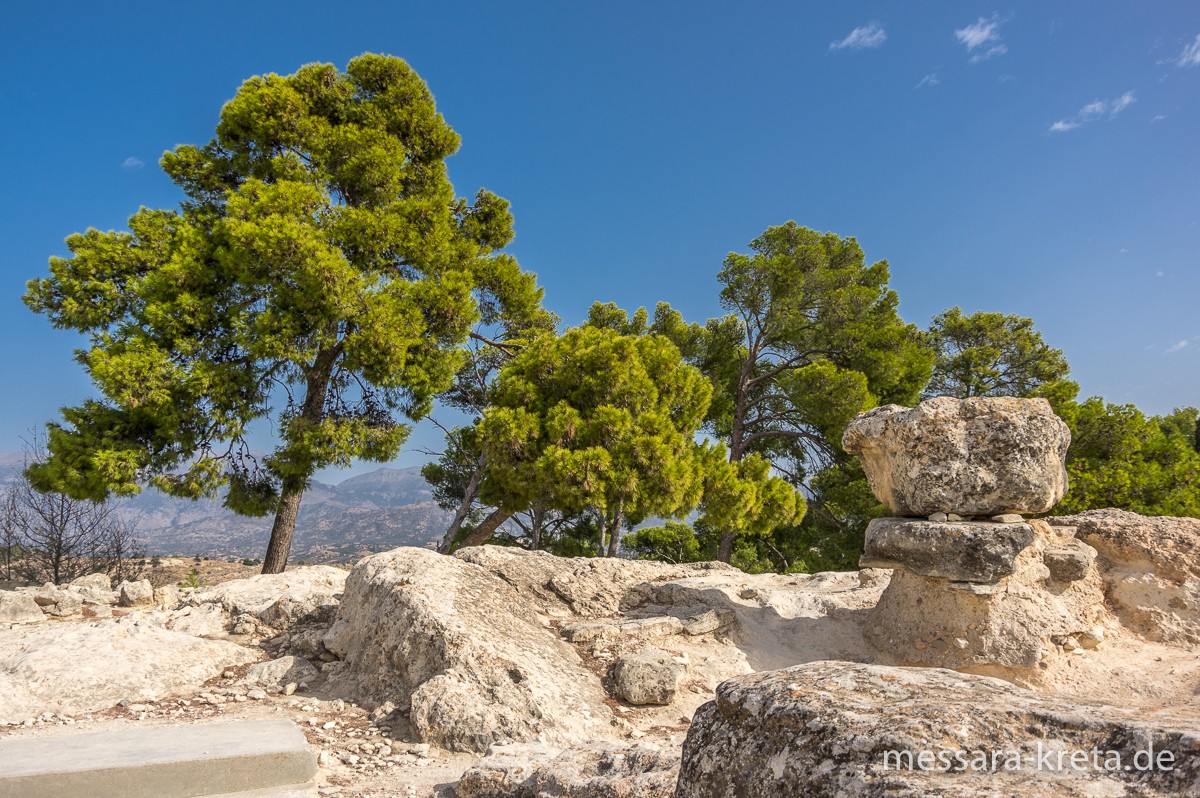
{"type": "Point", "coordinates": [306, 790]}
{"type": "Point", "coordinates": [171, 762]}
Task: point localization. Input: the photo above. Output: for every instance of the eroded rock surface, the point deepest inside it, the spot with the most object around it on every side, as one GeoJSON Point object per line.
{"type": "Point", "coordinates": [465, 654]}
{"type": "Point", "coordinates": [978, 456]}
{"type": "Point", "coordinates": [963, 551]}
{"type": "Point", "coordinates": [1152, 568]}
{"type": "Point", "coordinates": [825, 728]}
{"type": "Point", "coordinates": [79, 667]}
{"type": "Point", "coordinates": [1016, 620]}
{"type": "Point", "coordinates": [593, 770]}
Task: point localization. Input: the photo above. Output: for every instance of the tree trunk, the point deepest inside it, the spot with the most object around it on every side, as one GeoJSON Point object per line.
{"type": "Point", "coordinates": [614, 535]}
{"type": "Point", "coordinates": [737, 438]}
{"type": "Point", "coordinates": [538, 521]}
{"type": "Point", "coordinates": [725, 552]}
{"type": "Point", "coordinates": [284, 527]}
{"type": "Point", "coordinates": [487, 527]}
{"type": "Point", "coordinates": [464, 507]}
{"type": "Point", "coordinates": [312, 411]}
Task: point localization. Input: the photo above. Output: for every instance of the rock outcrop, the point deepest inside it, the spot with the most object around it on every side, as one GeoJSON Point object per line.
{"type": "Point", "coordinates": [979, 456]}
{"type": "Point", "coordinates": [1151, 568]}
{"type": "Point", "coordinates": [593, 770]}
{"type": "Point", "coordinates": [647, 677]}
{"type": "Point", "coordinates": [79, 667]}
{"type": "Point", "coordinates": [297, 596]}
{"type": "Point", "coordinates": [970, 593]}
{"type": "Point", "coordinates": [849, 729]}
{"type": "Point", "coordinates": [463, 654]}
{"type": "Point", "coordinates": [948, 615]}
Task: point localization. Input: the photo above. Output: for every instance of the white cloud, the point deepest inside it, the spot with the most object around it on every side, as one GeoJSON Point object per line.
{"type": "Point", "coordinates": [991, 52]}
{"type": "Point", "coordinates": [1175, 347]}
{"type": "Point", "coordinates": [979, 34]}
{"type": "Point", "coordinates": [1191, 54]}
{"type": "Point", "coordinates": [931, 79]}
{"type": "Point", "coordinates": [982, 39]}
{"type": "Point", "coordinates": [1159, 118]}
{"type": "Point", "coordinates": [1160, 273]}
{"type": "Point", "coordinates": [864, 37]}
{"type": "Point", "coordinates": [1121, 103]}
{"type": "Point", "coordinates": [1093, 111]}
{"type": "Point", "coordinates": [132, 162]}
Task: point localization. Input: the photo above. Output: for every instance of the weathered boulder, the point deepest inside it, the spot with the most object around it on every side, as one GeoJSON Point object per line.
{"type": "Point", "coordinates": [965, 551]}
{"type": "Point", "coordinates": [592, 770]}
{"type": "Point", "coordinates": [588, 587]}
{"type": "Point", "coordinates": [81, 667]}
{"type": "Point", "coordinates": [302, 595]}
{"type": "Point", "coordinates": [849, 729]}
{"type": "Point", "coordinates": [136, 594]}
{"type": "Point", "coordinates": [978, 456]}
{"type": "Point", "coordinates": [1015, 621]}
{"type": "Point", "coordinates": [1069, 562]}
{"type": "Point", "coordinates": [462, 652]}
{"type": "Point", "coordinates": [98, 582]}
{"type": "Point", "coordinates": [19, 608]}
{"type": "Point", "coordinates": [1151, 565]}
{"type": "Point", "coordinates": [58, 602]}
{"type": "Point", "coordinates": [278, 673]}
{"type": "Point", "coordinates": [647, 677]}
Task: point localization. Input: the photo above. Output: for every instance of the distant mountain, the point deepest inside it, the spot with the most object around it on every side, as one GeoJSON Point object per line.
{"type": "Point", "coordinates": [380, 510]}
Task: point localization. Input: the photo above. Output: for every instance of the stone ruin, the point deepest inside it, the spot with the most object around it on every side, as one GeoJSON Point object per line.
{"type": "Point", "coordinates": [975, 584]}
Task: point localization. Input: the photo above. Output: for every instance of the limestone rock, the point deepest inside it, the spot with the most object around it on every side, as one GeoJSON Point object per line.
{"type": "Point", "coordinates": [167, 596]}
{"type": "Point", "coordinates": [99, 582]}
{"type": "Point", "coordinates": [965, 551]}
{"type": "Point", "coordinates": [594, 770]}
{"type": "Point", "coordinates": [1151, 566]}
{"type": "Point", "coordinates": [978, 456]}
{"type": "Point", "coordinates": [278, 673]}
{"type": "Point", "coordinates": [83, 667]}
{"type": "Point", "coordinates": [19, 608]}
{"type": "Point", "coordinates": [647, 677]}
{"type": "Point", "coordinates": [136, 594]}
{"type": "Point", "coordinates": [459, 649]}
{"type": "Point", "coordinates": [589, 587]}
{"type": "Point", "coordinates": [1010, 623]}
{"type": "Point", "coordinates": [301, 595]}
{"type": "Point", "coordinates": [823, 729]}
{"type": "Point", "coordinates": [1070, 561]}
{"type": "Point", "coordinates": [58, 602]}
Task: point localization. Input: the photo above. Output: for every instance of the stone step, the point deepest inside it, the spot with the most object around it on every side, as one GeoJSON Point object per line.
{"type": "Point", "coordinates": [252, 759]}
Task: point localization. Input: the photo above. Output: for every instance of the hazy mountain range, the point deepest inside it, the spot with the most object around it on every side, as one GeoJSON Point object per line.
{"type": "Point", "coordinates": [371, 512]}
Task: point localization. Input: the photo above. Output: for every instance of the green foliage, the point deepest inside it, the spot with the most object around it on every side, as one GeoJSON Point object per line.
{"type": "Point", "coordinates": [596, 422]}
{"type": "Point", "coordinates": [990, 354]}
{"type": "Point", "coordinates": [673, 542]}
{"type": "Point", "coordinates": [320, 255]}
{"type": "Point", "coordinates": [1121, 458]}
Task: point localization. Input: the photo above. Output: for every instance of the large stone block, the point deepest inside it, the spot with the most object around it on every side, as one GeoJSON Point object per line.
{"type": "Point", "coordinates": [978, 456]}
{"type": "Point", "coordinates": [834, 729]}
{"type": "Point", "coordinates": [962, 551]}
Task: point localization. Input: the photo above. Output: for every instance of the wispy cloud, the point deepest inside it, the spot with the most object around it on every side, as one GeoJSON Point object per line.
{"type": "Point", "coordinates": [1160, 273]}
{"type": "Point", "coordinates": [1175, 347]}
{"type": "Point", "coordinates": [132, 162]}
{"type": "Point", "coordinates": [930, 80]}
{"type": "Point", "coordinates": [865, 37]}
{"type": "Point", "coordinates": [1159, 118]}
{"type": "Point", "coordinates": [982, 39]}
{"type": "Point", "coordinates": [1190, 56]}
{"type": "Point", "coordinates": [1093, 111]}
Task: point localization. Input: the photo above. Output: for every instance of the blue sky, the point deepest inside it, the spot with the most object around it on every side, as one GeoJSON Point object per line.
{"type": "Point", "coordinates": [1030, 158]}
